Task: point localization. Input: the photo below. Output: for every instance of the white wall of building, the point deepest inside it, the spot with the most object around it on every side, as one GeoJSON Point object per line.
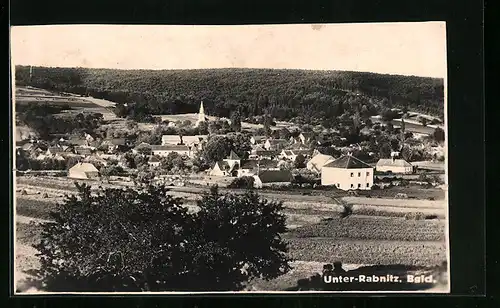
{"type": "Point", "coordinates": [347, 179]}
{"type": "Point", "coordinates": [165, 153]}
{"type": "Point", "coordinates": [395, 169]}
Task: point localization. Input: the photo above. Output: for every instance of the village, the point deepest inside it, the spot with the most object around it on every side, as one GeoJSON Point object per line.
{"type": "Point", "coordinates": [386, 175]}
{"type": "Point", "coordinates": [265, 160]}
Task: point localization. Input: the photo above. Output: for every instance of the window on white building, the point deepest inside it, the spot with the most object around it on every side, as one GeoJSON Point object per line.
{"type": "Point", "coordinates": [359, 185]}
{"type": "Point", "coordinates": [368, 174]}
{"type": "Point", "coordinates": [338, 184]}
{"type": "Point", "coordinates": [352, 185]}
{"type": "Point", "coordinates": [352, 174]}
{"type": "Point", "coordinates": [359, 174]}
{"type": "Point", "coordinates": [367, 184]}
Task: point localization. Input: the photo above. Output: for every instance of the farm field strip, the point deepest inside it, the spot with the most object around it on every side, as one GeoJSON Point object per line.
{"type": "Point", "coordinates": [377, 210]}
{"type": "Point", "coordinates": [189, 196]}
{"type": "Point", "coordinates": [373, 228]}
{"type": "Point", "coordinates": [366, 251]}
{"type": "Point", "coordinates": [396, 202]}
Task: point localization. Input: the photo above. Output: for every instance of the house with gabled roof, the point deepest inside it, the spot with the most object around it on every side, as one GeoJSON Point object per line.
{"type": "Point", "coordinates": [223, 168]}
{"type": "Point", "coordinates": [292, 154]}
{"type": "Point", "coordinates": [55, 150]}
{"type": "Point", "coordinates": [83, 150]}
{"type": "Point", "coordinates": [113, 144]}
{"type": "Point", "coordinates": [297, 146]}
{"type": "Point", "coordinates": [257, 139]}
{"type": "Point", "coordinates": [394, 165]}
{"type": "Point", "coordinates": [306, 137]}
{"type": "Point", "coordinates": [318, 161]}
{"type": "Point", "coordinates": [154, 162]}
{"type": "Point", "coordinates": [347, 173]}
{"type": "Point", "coordinates": [83, 171]}
{"type": "Point", "coordinates": [276, 144]}
{"type": "Point", "coordinates": [265, 178]}
{"type": "Point", "coordinates": [228, 166]}
{"type": "Point", "coordinates": [164, 150]}
{"type": "Point", "coordinates": [253, 166]}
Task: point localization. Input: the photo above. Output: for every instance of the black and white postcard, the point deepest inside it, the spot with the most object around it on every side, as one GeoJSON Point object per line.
{"type": "Point", "coordinates": [210, 159]}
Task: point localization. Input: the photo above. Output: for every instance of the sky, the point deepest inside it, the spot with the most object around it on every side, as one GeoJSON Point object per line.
{"type": "Point", "coordinates": [417, 48]}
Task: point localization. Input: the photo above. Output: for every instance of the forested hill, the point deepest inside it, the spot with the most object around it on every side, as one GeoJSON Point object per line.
{"type": "Point", "coordinates": [285, 94]}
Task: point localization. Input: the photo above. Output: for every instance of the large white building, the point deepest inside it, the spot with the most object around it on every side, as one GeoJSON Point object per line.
{"type": "Point", "coordinates": [394, 165]}
{"type": "Point", "coordinates": [346, 173]}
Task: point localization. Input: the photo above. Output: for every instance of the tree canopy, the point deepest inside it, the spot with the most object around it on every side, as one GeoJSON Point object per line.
{"type": "Point", "coordinates": [305, 96]}
{"type": "Point", "coordinates": [146, 240]}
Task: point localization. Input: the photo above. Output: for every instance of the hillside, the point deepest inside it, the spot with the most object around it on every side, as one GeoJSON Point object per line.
{"type": "Point", "coordinates": [285, 94]}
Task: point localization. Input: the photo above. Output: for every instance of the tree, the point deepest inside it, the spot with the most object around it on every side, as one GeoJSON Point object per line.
{"type": "Point", "coordinates": [423, 121]}
{"type": "Point", "coordinates": [173, 161]}
{"type": "Point", "coordinates": [438, 134]}
{"type": "Point", "coordinates": [203, 128]}
{"type": "Point", "coordinates": [240, 144]}
{"type": "Point", "coordinates": [129, 240]}
{"type": "Point", "coordinates": [217, 148]}
{"type": "Point", "coordinates": [385, 150]}
{"type": "Point", "coordinates": [236, 121]}
{"type": "Point", "coordinates": [300, 161]}
{"type": "Point", "coordinates": [246, 182]}
{"type": "Point", "coordinates": [239, 231]}
{"type": "Point", "coordinates": [111, 169]}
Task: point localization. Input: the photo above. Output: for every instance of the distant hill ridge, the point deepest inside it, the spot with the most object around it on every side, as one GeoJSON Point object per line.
{"type": "Point", "coordinates": [283, 93]}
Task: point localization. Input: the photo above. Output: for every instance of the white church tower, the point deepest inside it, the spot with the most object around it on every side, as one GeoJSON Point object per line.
{"type": "Point", "coordinates": [201, 115]}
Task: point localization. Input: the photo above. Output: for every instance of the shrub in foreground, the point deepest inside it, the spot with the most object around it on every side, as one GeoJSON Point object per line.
{"type": "Point", "coordinates": [128, 240]}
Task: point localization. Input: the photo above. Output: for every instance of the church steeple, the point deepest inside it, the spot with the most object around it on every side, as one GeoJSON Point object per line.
{"type": "Point", "coordinates": [201, 114]}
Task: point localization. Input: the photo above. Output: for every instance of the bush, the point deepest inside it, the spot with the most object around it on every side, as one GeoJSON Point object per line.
{"type": "Point", "coordinates": [128, 240]}
{"type": "Point", "coordinates": [346, 210]}
{"type": "Point", "coordinates": [415, 216]}
{"type": "Point", "coordinates": [246, 182]}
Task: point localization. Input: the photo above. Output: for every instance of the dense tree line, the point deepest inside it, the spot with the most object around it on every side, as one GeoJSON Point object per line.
{"type": "Point", "coordinates": [283, 94]}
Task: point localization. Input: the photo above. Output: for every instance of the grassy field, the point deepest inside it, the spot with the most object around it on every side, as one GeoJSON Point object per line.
{"type": "Point", "coordinates": [375, 233]}
{"type": "Point", "coordinates": [28, 95]}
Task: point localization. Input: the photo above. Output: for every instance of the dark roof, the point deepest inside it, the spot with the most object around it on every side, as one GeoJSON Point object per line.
{"type": "Point", "coordinates": [266, 153]}
{"type": "Point", "coordinates": [56, 149]}
{"type": "Point", "coordinates": [29, 146]}
{"type": "Point", "coordinates": [115, 141]}
{"type": "Point", "coordinates": [263, 164]}
{"type": "Point", "coordinates": [77, 141]}
{"type": "Point", "coordinates": [258, 138]}
{"type": "Point", "coordinates": [279, 141]}
{"type": "Point", "coordinates": [304, 152]}
{"type": "Point", "coordinates": [297, 146]}
{"type": "Point", "coordinates": [82, 150]}
{"type": "Point", "coordinates": [143, 145]}
{"type": "Point", "coordinates": [169, 147]}
{"type": "Point", "coordinates": [275, 176]}
{"type": "Point", "coordinates": [233, 156]}
{"type": "Point", "coordinates": [308, 135]}
{"type": "Point", "coordinates": [348, 162]}
{"type": "Point", "coordinates": [154, 159]}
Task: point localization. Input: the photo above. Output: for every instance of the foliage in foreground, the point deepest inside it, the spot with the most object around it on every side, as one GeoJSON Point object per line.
{"type": "Point", "coordinates": [127, 240]}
